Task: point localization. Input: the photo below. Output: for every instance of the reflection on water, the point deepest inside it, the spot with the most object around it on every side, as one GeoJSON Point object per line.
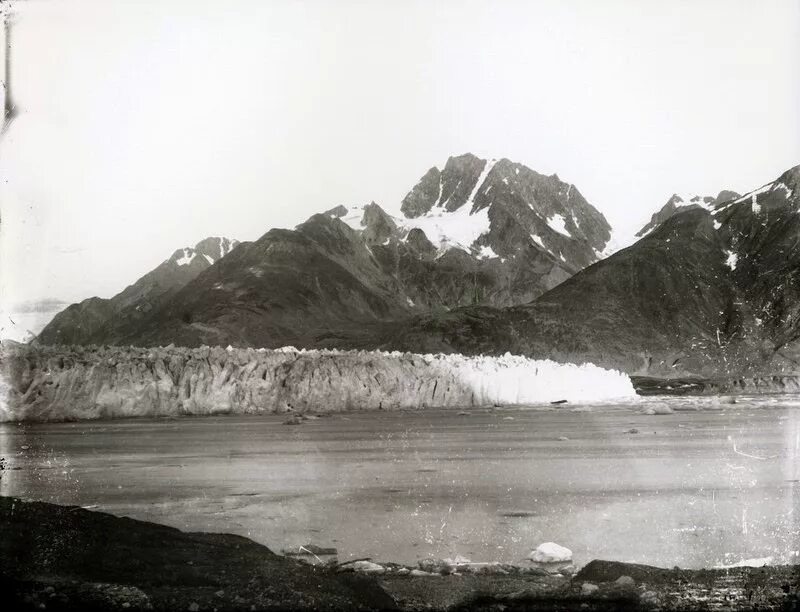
{"type": "Point", "coordinates": [693, 488]}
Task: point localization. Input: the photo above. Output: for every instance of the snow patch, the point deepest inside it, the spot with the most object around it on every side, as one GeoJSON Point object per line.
{"type": "Point", "coordinates": [453, 229]}
{"type": "Point", "coordinates": [538, 241]}
{"type": "Point", "coordinates": [731, 260]}
{"type": "Point", "coordinates": [459, 228]}
{"type": "Point", "coordinates": [690, 199]}
{"type": "Point", "coordinates": [717, 224]}
{"type": "Point", "coordinates": [481, 179]}
{"type": "Point", "coordinates": [210, 260]}
{"type": "Point", "coordinates": [558, 224]}
{"type": "Point", "coordinates": [188, 257]}
{"type": "Point", "coordinates": [353, 217]}
{"type": "Point", "coordinates": [439, 197]}
{"type": "Point", "coordinates": [753, 195]}
{"type": "Point", "coordinates": [754, 205]}
{"type": "Point", "coordinates": [785, 188]}
{"type": "Point", "coordinates": [486, 252]}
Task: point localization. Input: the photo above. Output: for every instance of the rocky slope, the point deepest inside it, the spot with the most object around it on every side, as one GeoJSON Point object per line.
{"type": "Point", "coordinates": [45, 383]}
{"type": "Point", "coordinates": [678, 203]}
{"type": "Point", "coordinates": [711, 291]}
{"type": "Point", "coordinates": [98, 320]}
{"type": "Point", "coordinates": [476, 232]}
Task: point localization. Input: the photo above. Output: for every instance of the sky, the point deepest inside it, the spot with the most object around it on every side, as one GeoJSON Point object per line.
{"type": "Point", "coordinates": [145, 126]}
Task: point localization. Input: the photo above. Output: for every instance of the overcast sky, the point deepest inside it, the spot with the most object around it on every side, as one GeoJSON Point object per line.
{"type": "Point", "coordinates": [147, 126]}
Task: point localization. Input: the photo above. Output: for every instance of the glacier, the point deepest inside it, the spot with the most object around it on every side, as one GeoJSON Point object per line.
{"type": "Point", "coordinates": [42, 383]}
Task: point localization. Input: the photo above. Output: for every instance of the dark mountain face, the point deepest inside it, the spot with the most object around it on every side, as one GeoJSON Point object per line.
{"type": "Point", "coordinates": [713, 289]}
{"type": "Point", "coordinates": [100, 321]}
{"type": "Point", "coordinates": [477, 232]}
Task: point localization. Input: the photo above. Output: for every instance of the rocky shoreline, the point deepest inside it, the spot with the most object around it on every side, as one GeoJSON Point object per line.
{"type": "Point", "coordinates": [68, 558]}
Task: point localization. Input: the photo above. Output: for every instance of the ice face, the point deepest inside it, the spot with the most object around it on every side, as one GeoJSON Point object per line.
{"type": "Point", "coordinates": [123, 382]}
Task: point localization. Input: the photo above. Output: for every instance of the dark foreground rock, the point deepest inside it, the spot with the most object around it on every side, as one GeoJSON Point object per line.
{"type": "Point", "coordinates": [67, 558]}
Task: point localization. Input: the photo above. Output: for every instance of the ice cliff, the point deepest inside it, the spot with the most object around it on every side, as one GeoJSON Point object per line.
{"type": "Point", "coordinates": [67, 383]}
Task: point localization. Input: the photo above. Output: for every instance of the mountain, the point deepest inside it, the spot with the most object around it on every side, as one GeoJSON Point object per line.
{"type": "Point", "coordinates": [476, 232]}
{"type": "Point", "coordinates": [711, 290]}
{"type": "Point", "coordinates": [678, 203]}
{"type": "Point", "coordinates": [99, 321]}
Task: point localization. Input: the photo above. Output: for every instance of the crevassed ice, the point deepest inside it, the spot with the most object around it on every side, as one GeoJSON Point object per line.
{"type": "Point", "coordinates": [512, 379]}
{"type": "Point", "coordinates": [313, 380]}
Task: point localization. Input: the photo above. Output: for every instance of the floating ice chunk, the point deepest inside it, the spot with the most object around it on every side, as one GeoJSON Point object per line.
{"type": "Point", "coordinates": [559, 224]}
{"type": "Point", "coordinates": [550, 552]}
{"type": "Point", "coordinates": [760, 562]}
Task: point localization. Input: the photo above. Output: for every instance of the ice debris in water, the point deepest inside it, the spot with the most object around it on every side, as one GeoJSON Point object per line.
{"type": "Point", "coordinates": [550, 552]}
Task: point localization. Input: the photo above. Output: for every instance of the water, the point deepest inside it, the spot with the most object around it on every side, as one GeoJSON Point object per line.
{"type": "Point", "coordinates": [694, 488]}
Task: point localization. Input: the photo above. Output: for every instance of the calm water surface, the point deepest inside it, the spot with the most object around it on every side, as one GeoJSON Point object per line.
{"type": "Point", "coordinates": [693, 488]}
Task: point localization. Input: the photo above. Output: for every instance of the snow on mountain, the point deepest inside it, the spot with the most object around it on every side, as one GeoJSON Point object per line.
{"type": "Point", "coordinates": [681, 202]}
{"type": "Point", "coordinates": [187, 257]}
{"type": "Point", "coordinates": [558, 224]}
{"type": "Point", "coordinates": [210, 249]}
{"type": "Point", "coordinates": [457, 229]}
{"type": "Point", "coordinates": [463, 236]}
{"type": "Point", "coordinates": [474, 203]}
{"type": "Point", "coordinates": [92, 319]}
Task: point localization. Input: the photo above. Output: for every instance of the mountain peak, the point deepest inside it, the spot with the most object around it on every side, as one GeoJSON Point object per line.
{"type": "Point", "coordinates": [209, 249]}
{"type": "Point", "coordinates": [680, 202]}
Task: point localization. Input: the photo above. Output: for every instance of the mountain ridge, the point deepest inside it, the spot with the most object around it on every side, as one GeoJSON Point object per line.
{"type": "Point", "coordinates": [496, 233]}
